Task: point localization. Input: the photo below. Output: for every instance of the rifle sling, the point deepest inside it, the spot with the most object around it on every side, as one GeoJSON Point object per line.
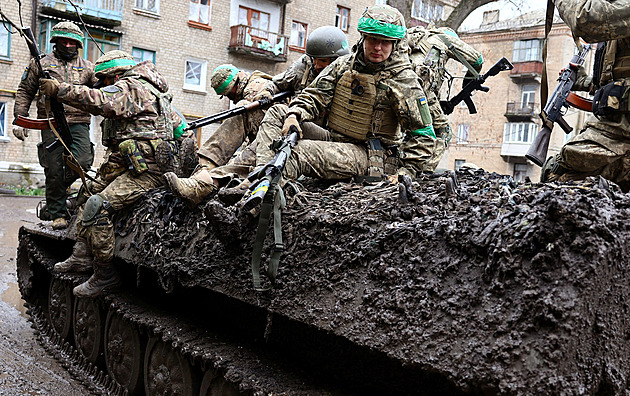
{"type": "Point", "coordinates": [274, 201]}
{"type": "Point", "coordinates": [459, 56]}
{"type": "Point", "coordinates": [544, 84]}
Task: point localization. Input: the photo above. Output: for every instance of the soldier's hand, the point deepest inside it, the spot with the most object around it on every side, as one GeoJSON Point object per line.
{"type": "Point", "coordinates": [20, 133]}
{"type": "Point", "coordinates": [290, 121]}
{"type": "Point", "coordinates": [49, 87]}
{"type": "Point", "coordinates": [262, 95]}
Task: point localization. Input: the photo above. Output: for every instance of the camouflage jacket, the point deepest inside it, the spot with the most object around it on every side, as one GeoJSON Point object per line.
{"type": "Point", "coordinates": [596, 20]}
{"type": "Point", "coordinates": [400, 85]}
{"type": "Point", "coordinates": [297, 77]}
{"type": "Point", "coordinates": [246, 92]}
{"type": "Point", "coordinates": [78, 71]}
{"type": "Point", "coordinates": [129, 102]}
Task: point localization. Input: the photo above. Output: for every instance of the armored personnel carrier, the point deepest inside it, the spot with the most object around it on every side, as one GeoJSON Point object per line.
{"type": "Point", "coordinates": [455, 284]}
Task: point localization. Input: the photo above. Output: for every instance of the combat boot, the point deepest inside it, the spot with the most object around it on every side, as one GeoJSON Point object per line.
{"type": "Point", "coordinates": [59, 223]}
{"type": "Point", "coordinates": [104, 278]}
{"type": "Point", "coordinates": [193, 189]}
{"type": "Point", "coordinates": [188, 157]}
{"type": "Point", "coordinates": [79, 261]}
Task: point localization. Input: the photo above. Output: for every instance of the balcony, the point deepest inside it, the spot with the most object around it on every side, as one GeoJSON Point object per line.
{"type": "Point", "coordinates": [527, 70]}
{"type": "Point", "coordinates": [106, 12]}
{"type": "Point", "coordinates": [256, 43]}
{"type": "Point", "coordinates": [516, 111]}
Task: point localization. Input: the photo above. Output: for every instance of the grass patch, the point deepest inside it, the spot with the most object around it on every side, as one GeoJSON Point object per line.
{"type": "Point", "coordinates": [25, 190]}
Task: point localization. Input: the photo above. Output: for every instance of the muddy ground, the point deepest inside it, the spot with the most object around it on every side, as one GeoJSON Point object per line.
{"type": "Point", "coordinates": [499, 288]}
{"type": "Point", "coordinates": [25, 367]}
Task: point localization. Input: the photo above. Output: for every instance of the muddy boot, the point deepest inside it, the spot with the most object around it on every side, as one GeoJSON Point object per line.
{"type": "Point", "coordinates": [104, 278]}
{"type": "Point", "coordinates": [188, 159]}
{"type": "Point", "coordinates": [192, 190]}
{"type": "Point", "coordinates": [59, 223]}
{"type": "Point", "coordinates": [231, 195]}
{"type": "Point", "coordinates": [80, 260]}
{"type": "Point", "coordinates": [165, 157]}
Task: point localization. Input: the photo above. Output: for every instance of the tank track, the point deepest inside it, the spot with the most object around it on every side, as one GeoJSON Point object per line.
{"type": "Point", "coordinates": [239, 366]}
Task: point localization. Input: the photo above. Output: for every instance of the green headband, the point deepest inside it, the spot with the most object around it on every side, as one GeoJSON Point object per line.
{"type": "Point", "coordinates": [228, 80]}
{"type": "Point", "coordinates": [114, 63]}
{"type": "Point", "coordinates": [61, 33]}
{"type": "Point", "coordinates": [373, 26]}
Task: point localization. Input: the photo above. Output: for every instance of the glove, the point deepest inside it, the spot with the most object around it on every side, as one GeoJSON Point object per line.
{"type": "Point", "coordinates": [49, 87]}
{"type": "Point", "coordinates": [20, 132]}
{"type": "Point", "coordinates": [264, 94]}
{"type": "Point", "coordinates": [290, 121]}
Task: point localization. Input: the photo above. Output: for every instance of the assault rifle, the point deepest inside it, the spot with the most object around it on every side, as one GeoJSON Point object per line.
{"type": "Point", "coordinates": [554, 109]}
{"type": "Point", "coordinates": [59, 114]}
{"type": "Point", "coordinates": [474, 85]}
{"type": "Point", "coordinates": [238, 110]}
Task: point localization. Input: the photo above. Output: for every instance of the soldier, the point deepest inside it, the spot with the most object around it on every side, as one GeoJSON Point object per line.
{"type": "Point", "coordinates": [430, 51]}
{"type": "Point", "coordinates": [323, 45]}
{"type": "Point", "coordinates": [130, 133]}
{"type": "Point", "coordinates": [64, 64]}
{"type": "Point", "coordinates": [602, 147]}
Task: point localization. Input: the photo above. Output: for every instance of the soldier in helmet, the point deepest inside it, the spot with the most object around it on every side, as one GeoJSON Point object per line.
{"type": "Point", "coordinates": [131, 133]}
{"type": "Point", "coordinates": [323, 46]}
{"type": "Point", "coordinates": [602, 147]}
{"type": "Point", "coordinates": [430, 51]}
{"type": "Point", "coordinates": [64, 64]}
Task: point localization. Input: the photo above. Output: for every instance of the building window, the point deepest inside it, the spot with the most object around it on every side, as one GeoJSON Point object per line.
{"type": "Point", "coordinates": [298, 35]}
{"type": "Point", "coordinates": [141, 55]}
{"type": "Point", "coordinates": [427, 10]}
{"type": "Point", "coordinates": [527, 50]}
{"type": "Point", "coordinates": [528, 98]}
{"type": "Point", "coordinates": [459, 163]}
{"type": "Point", "coordinates": [200, 13]}
{"type": "Point", "coordinates": [3, 121]}
{"type": "Point", "coordinates": [519, 132]}
{"type": "Point", "coordinates": [520, 172]}
{"type": "Point", "coordinates": [195, 77]}
{"type": "Point", "coordinates": [342, 19]}
{"type": "Point", "coordinates": [257, 20]}
{"type": "Point", "coordinates": [5, 41]}
{"type": "Point", "coordinates": [149, 5]}
{"type": "Point", "coordinates": [463, 131]}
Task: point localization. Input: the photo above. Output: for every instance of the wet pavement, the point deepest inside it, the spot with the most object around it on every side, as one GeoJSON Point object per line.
{"type": "Point", "coordinates": [25, 367]}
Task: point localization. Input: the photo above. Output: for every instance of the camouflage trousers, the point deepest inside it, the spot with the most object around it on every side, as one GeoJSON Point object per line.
{"type": "Point", "coordinates": [601, 148]}
{"type": "Point", "coordinates": [422, 153]}
{"type": "Point", "coordinates": [120, 192]}
{"type": "Point", "coordinates": [315, 154]}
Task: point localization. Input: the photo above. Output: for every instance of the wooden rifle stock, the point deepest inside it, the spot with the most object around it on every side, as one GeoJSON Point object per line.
{"type": "Point", "coordinates": [579, 102]}
{"type": "Point", "coordinates": [35, 123]}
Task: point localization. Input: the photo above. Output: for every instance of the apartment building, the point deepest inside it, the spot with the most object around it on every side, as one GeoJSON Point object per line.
{"type": "Point", "coordinates": [499, 135]}
{"type": "Point", "coordinates": [185, 39]}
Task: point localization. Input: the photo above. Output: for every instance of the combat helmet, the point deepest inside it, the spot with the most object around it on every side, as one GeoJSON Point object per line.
{"type": "Point", "coordinates": [383, 21]}
{"type": "Point", "coordinates": [113, 63]}
{"type": "Point", "coordinates": [223, 78]}
{"type": "Point", "coordinates": [67, 30]}
{"type": "Point", "coordinates": [327, 42]}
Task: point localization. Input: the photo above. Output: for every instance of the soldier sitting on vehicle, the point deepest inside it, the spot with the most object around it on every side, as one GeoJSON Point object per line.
{"type": "Point", "coordinates": [131, 133]}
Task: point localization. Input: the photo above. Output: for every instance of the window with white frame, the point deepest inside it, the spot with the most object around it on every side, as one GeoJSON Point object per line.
{"type": "Point", "coordinates": [298, 35]}
{"type": "Point", "coordinates": [459, 163]}
{"type": "Point", "coordinates": [200, 13]}
{"type": "Point", "coordinates": [519, 132]}
{"type": "Point", "coordinates": [527, 50]}
{"type": "Point", "coordinates": [149, 5]}
{"type": "Point", "coordinates": [141, 55]}
{"type": "Point", "coordinates": [520, 171]}
{"type": "Point", "coordinates": [463, 131]}
{"type": "Point", "coordinates": [528, 97]}
{"type": "Point", "coordinates": [5, 41]}
{"type": "Point", "coordinates": [3, 121]}
{"type": "Point", "coordinates": [427, 10]}
{"type": "Point", "coordinates": [195, 74]}
{"type": "Point", "coordinates": [342, 18]}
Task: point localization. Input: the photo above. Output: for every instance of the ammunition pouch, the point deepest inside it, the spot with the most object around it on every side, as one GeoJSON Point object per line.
{"type": "Point", "coordinates": [134, 159]}
{"type": "Point", "coordinates": [382, 161]}
{"type": "Point", "coordinates": [96, 208]}
{"type": "Point", "coordinates": [611, 99]}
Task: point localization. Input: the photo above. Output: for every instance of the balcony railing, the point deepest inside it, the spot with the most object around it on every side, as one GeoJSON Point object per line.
{"type": "Point", "coordinates": [258, 43]}
{"type": "Point", "coordinates": [530, 69]}
{"type": "Point", "coordinates": [101, 9]}
{"type": "Point", "coordinates": [517, 109]}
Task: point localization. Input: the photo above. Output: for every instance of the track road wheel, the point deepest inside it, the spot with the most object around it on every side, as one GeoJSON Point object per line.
{"type": "Point", "coordinates": [60, 307]}
{"type": "Point", "coordinates": [215, 385]}
{"type": "Point", "coordinates": [166, 372]}
{"type": "Point", "coordinates": [88, 328]}
{"type": "Point", "coordinates": [124, 348]}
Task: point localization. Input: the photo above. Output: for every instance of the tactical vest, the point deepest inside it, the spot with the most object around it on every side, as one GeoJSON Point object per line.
{"type": "Point", "coordinates": [354, 112]}
{"type": "Point", "coordinates": [142, 128]}
{"type": "Point", "coordinates": [616, 61]}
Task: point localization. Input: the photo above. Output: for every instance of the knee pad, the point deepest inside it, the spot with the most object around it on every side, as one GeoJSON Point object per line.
{"type": "Point", "coordinates": [96, 207]}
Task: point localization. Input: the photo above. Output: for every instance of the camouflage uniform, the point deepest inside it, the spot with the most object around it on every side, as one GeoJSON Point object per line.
{"type": "Point", "coordinates": [430, 51]}
{"type": "Point", "coordinates": [394, 104]}
{"type": "Point", "coordinates": [75, 70]}
{"type": "Point", "coordinates": [602, 147]}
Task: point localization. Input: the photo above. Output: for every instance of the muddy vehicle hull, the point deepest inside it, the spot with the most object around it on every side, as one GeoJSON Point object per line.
{"type": "Point", "coordinates": [466, 285]}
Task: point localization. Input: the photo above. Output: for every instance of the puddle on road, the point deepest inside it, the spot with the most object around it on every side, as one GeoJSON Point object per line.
{"type": "Point", "coordinates": [13, 297]}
